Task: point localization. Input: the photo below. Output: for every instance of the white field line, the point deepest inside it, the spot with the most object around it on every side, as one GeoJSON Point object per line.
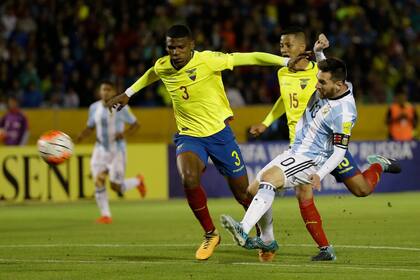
{"type": "Point", "coordinates": [329, 266]}
{"type": "Point", "coordinates": [332, 266]}
{"type": "Point", "coordinates": [193, 245]}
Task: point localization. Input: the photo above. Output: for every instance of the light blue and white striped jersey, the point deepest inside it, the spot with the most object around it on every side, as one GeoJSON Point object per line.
{"type": "Point", "coordinates": [325, 121]}
{"type": "Point", "coordinates": [109, 124]}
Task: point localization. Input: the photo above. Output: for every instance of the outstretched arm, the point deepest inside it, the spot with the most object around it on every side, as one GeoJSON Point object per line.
{"type": "Point", "coordinates": [146, 79]}
{"type": "Point", "coordinates": [119, 101]}
{"type": "Point", "coordinates": [258, 58]}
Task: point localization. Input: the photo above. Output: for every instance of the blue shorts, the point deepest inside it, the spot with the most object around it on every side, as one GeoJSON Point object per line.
{"type": "Point", "coordinates": [221, 147]}
{"type": "Point", "coordinates": [346, 169]}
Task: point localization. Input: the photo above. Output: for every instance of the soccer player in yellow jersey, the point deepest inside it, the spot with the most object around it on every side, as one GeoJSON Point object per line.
{"type": "Point", "coordinates": [296, 88]}
{"type": "Point", "coordinates": [202, 113]}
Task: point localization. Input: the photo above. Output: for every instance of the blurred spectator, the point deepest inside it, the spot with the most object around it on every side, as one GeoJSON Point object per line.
{"type": "Point", "coordinates": [14, 125]}
{"type": "Point", "coordinates": [32, 97]}
{"type": "Point", "coordinates": [71, 99]}
{"type": "Point", "coordinates": [401, 117]}
{"type": "Point", "coordinates": [62, 45]}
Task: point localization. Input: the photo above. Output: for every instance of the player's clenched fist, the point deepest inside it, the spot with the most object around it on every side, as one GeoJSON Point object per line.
{"type": "Point", "coordinates": [117, 102]}
{"type": "Point", "coordinates": [257, 129]}
{"type": "Point", "coordinates": [322, 43]}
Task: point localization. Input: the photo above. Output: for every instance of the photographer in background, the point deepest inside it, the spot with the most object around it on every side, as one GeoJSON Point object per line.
{"type": "Point", "coordinates": [402, 117]}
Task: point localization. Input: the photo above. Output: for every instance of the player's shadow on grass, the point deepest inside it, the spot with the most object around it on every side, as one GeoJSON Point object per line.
{"type": "Point", "coordinates": [231, 255]}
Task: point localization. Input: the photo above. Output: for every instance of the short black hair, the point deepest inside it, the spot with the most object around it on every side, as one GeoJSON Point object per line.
{"type": "Point", "coordinates": [293, 30]}
{"type": "Point", "coordinates": [179, 31]}
{"type": "Point", "coordinates": [107, 82]}
{"type": "Point", "coordinates": [335, 66]}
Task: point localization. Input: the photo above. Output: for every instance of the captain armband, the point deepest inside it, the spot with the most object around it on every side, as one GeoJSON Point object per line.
{"type": "Point", "coordinates": [341, 140]}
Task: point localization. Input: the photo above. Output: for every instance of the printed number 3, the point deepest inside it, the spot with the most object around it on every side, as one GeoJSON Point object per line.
{"type": "Point", "coordinates": [236, 156]}
{"type": "Point", "coordinates": [185, 95]}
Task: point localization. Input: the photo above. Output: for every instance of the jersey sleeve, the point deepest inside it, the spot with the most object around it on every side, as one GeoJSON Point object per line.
{"type": "Point", "coordinates": [218, 61]}
{"type": "Point", "coordinates": [259, 58]}
{"type": "Point", "coordinates": [128, 115]}
{"type": "Point", "coordinates": [276, 112]}
{"type": "Point", "coordinates": [146, 79]}
{"type": "Point", "coordinates": [91, 117]}
{"type": "Point", "coordinates": [341, 128]}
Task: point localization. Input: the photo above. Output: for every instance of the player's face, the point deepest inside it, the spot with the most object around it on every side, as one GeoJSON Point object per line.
{"type": "Point", "coordinates": [106, 92]}
{"type": "Point", "coordinates": [12, 103]}
{"type": "Point", "coordinates": [291, 46]}
{"type": "Point", "coordinates": [326, 87]}
{"type": "Point", "coordinates": [179, 49]}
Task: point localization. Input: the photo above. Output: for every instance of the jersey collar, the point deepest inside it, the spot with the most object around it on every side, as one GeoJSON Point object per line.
{"type": "Point", "coordinates": [192, 57]}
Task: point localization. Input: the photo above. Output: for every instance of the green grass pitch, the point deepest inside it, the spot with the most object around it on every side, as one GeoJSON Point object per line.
{"type": "Point", "coordinates": [377, 237]}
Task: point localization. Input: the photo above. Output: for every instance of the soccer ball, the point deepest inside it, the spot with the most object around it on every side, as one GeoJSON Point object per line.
{"type": "Point", "coordinates": [55, 147]}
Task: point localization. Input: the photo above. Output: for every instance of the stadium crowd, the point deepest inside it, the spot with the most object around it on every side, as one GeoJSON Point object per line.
{"type": "Point", "coordinates": [53, 53]}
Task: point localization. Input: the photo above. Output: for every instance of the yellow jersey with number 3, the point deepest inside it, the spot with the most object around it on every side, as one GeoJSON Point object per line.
{"type": "Point", "coordinates": [296, 88]}
{"type": "Point", "coordinates": [198, 96]}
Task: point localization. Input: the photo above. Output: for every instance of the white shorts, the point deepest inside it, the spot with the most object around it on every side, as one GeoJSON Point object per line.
{"type": "Point", "coordinates": [293, 166]}
{"type": "Point", "coordinates": [112, 162]}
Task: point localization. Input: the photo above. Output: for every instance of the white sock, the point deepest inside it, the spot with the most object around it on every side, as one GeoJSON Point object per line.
{"type": "Point", "coordinates": [129, 184]}
{"type": "Point", "coordinates": [102, 201]}
{"type": "Point", "coordinates": [259, 205]}
{"type": "Point", "coordinates": [266, 226]}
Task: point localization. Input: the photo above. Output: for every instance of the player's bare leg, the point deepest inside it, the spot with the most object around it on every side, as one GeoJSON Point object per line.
{"type": "Point", "coordinates": [313, 222]}
{"type": "Point", "coordinates": [101, 197]}
{"type": "Point", "coordinates": [239, 188]}
{"type": "Point", "coordinates": [131, 183]}
{"type": "Point", "coordinates": [363, 184]}
{"type": "Point", "coordinates": [262, 202]}
{"type": "Point", "coordinates": [190, 168]}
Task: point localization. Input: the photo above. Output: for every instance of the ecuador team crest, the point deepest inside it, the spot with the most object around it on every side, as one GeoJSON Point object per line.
{"type": "Point", "coordinates": [192, 73]}
{"type": "Point", "coordinates": [303, 83]}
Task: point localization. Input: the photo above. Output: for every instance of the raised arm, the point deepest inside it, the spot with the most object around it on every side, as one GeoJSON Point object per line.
{"type": "Point", "coordinates": [321, 44]}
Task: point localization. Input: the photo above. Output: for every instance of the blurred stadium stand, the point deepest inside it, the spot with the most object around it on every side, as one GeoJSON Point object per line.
{"type": "Point", "coordinates": [54, 52]}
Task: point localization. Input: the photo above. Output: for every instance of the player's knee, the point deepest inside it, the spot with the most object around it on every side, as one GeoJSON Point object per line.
{"type": "Point", "coordinates": [304, 193]}
{"type": "Point", "coordinates": [115, 187]}
{"type": "Point", "coordinates": [190, 179]}
{"type": "Point", "coordinates": [362, 191]}
{"type": "Point", "coordinates": [252, 189]}
{"type": "Point", "coordinates": [100, 180]}
{"type": "Point", "coordinates": [274, 176]}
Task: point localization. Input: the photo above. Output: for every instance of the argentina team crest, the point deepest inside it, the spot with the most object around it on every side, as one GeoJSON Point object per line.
{"type": "Point", "coordinates": [192, 73]}
{"type": "Point", "coordinates": [303, 83]}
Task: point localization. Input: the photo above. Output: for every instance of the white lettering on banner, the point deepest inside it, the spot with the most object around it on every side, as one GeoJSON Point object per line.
{"type": "Point", "coordinates": [254, 153]}
{"type": "Point", "coordinates": [276, 149]}
{"type": "Point", "coordinates": [253, 171]}
{"type": "Point", "coordinates": [257, 153]}
{"type": "Point", "coordinates": [396, 150]}
{"type": "Point", "coordinates": [353, 149]}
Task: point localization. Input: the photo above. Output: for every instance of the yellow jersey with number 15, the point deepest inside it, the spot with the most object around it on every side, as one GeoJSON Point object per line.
{"type": "Point", "coordinates": [198, 96]}
{"type": "Point", "coordinates": [296, 88]}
